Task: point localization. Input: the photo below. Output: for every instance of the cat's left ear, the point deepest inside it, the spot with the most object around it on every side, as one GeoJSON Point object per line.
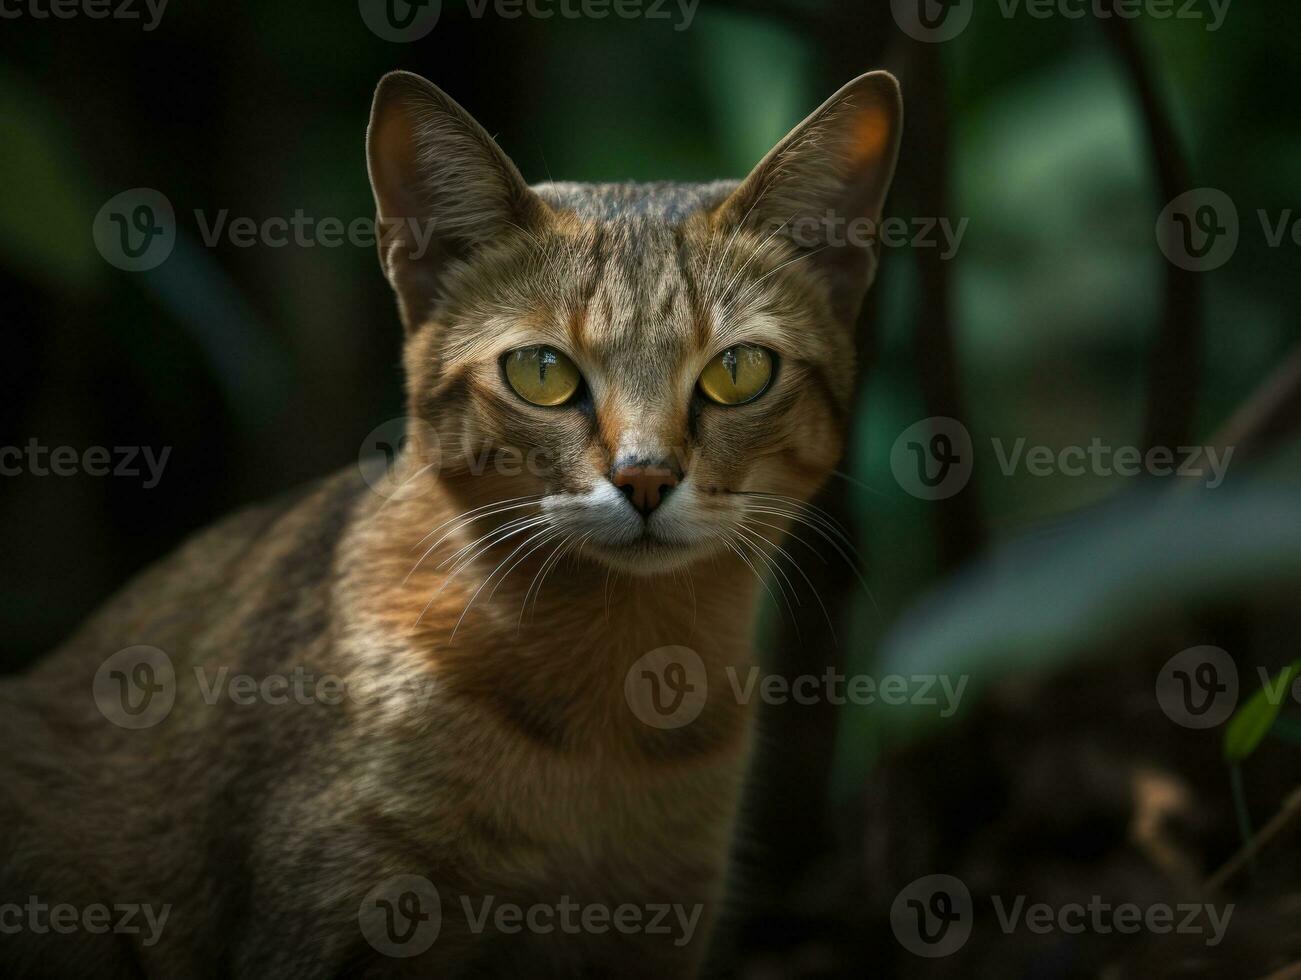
{"type": "Point", "coordinates": [825, 184]}
{"type": "Point", "coordinates": [443, 188]}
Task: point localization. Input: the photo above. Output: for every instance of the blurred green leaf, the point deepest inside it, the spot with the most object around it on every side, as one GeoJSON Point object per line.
{"type": "Point", "coordinates": [45, 217]}
{"type": "Point", "coordinates": [1046, 599]}
{"type": "Point", "coordinates": [1253, 720]}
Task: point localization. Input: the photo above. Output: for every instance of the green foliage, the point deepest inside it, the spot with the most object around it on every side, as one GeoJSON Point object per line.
{"type": "Point", "coordinates": [1254, 720]}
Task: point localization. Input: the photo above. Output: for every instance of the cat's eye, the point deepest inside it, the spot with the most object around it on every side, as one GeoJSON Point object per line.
{"type": "Point", "coordinates": [738, 375]}
{"type": "Point", "coordinates": [542, 375]}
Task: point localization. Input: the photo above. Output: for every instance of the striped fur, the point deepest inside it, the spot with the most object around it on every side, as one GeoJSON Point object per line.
{"type": "Point", "coordinates": [522, 774]}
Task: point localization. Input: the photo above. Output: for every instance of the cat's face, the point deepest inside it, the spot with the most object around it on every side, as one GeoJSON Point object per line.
{"type": "Point", "coordinates": [650, 373]}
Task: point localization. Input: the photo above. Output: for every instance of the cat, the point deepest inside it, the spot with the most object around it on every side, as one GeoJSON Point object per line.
{"type": "Point", "coordinates": [471, 717]}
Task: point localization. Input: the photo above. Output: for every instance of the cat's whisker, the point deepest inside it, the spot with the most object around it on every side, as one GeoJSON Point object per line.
{"type": "Point", "coordinates": [493, 537]}
{"type": "Point", "coordinates": [712, 293]}
{"type": "Point", "coordinates": [809, 512]}
{"type": "Point", "coordinates": [858, 483]}
{"type": "Point", "coordinates": [749, 290]}
{"type": "Point", "coordinates": [784, 584]}
{"type": "Point", "coordinates": [548, 530]}
{"type": "Point", "coordinates": [453, 557]}
{"type": "Point", "coordinates": [475, 512]}
{"type": "Point", "coordinates": [484, 516]}
{"type": "Point", "coordinates": [831, 626]}
{"type": "Point", "coordinates": [829, 535]}
{"type": "Point", "coordinates": [754, 254]}
{"type": "Point", "coordinates": [691, 586]}
{"type": "Point", "coordinates": [453, 573]}
{"type": "Point", "coordinates": [788, 533]}
{"type": "Point", "coordinates": [853, 562]}
{"type": "Point", "coordinates": [736, 550]}
{"type": "Point", "coordinates": [559, 531]}
{"type": "Point", "coordinates": [540, 577]}
{"type": "Point", "coordinates": [397, 490]}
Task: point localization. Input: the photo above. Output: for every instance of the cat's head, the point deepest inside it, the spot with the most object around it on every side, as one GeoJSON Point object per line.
{"type": "Point", "coordinates": [657, 370]}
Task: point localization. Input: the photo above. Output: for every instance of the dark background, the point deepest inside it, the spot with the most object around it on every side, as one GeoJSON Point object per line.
{"type": "Point", "coordinates": [1058, 321]}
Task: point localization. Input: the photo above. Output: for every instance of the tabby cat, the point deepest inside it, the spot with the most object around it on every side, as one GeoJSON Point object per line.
{"type": "Point", "coordinates": [472, 717]}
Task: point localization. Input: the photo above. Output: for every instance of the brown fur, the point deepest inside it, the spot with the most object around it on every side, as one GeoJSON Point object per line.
{"type": "Point", "coordinates": [524, 774]}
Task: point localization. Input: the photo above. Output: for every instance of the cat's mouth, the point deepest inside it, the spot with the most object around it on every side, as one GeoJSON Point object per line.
{"type": "Point", "coordinates": [649, 553]}
{"type": "Point", "coordinates": [612, 532]}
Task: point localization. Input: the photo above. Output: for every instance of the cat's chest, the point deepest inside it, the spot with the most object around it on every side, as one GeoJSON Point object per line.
{"type": "Point", "coordinates": [511, 809]}
{"type": "Point", "coordinates": [583, 823]}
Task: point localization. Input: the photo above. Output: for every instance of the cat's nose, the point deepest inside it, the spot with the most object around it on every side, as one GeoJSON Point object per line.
{"type": "Point", "coordinates": [644, 485]}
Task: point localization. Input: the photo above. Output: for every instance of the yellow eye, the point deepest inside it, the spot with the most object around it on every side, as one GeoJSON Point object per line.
{"type": "Point", "coordinates": [738, 375]}
{"type": "Point", "coordinates": [542, 375]}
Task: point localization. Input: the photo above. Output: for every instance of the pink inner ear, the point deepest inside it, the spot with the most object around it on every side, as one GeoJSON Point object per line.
{"type": "Point", "coordinates": [870, 135]}
{"type": "Point", "coordinates": [394, 157]}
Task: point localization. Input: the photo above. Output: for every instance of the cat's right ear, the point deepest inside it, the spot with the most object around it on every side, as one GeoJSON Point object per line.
{"type": "Point", "coordinates": [443, 188]}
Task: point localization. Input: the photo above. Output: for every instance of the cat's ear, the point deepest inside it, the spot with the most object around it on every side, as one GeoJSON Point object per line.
{"type": "Point", "coordinates": [824, 185]}
{"type": "Point", "coordinates": [443, 188]}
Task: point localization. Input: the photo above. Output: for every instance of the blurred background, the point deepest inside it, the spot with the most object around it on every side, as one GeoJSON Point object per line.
{"type": "Point", "coordinates": [1055, 142]}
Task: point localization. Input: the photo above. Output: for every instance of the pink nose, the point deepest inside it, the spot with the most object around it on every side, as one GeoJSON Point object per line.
{"type": "Point", "coordinates": [645, 486]}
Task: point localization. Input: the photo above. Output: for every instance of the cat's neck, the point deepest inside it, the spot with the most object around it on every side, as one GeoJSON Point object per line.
{"type": "Point", "coordinates": [549, 640]}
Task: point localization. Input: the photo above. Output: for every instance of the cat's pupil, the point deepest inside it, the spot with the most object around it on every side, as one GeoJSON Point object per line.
{"type": "Point", "coordinates": [730, 363]}
{"type": "Point", "coordinates": [545, 359]}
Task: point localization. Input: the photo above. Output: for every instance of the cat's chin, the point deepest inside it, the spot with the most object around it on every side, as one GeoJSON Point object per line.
{"type": "Point", "coordinates": [647, 556]}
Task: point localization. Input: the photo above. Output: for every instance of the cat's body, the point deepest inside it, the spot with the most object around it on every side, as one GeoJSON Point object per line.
{"type": "Point", "coordinates": [378, 682]}
{"type": "Point", "coordinates": [486, 789]}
